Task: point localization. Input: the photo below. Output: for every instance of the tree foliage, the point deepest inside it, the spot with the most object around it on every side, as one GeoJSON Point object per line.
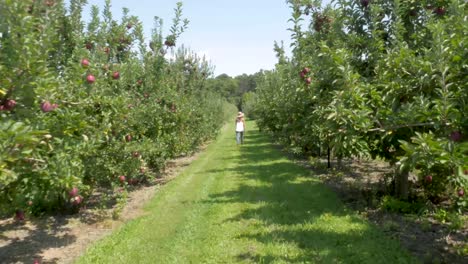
{"type": "Point", "coordinates": [381, 79]}
{"type": "Point", "coordinates": [93, 105]}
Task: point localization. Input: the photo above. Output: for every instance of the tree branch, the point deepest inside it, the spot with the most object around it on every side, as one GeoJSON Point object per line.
{"type": "Point", "coordinates": [402, 126]}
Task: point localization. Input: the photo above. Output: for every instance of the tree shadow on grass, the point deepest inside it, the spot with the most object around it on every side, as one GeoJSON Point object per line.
{"type": "Point", "coordinates": [321, 246]}
{"type": "Point", "coordinates": [290, 207]}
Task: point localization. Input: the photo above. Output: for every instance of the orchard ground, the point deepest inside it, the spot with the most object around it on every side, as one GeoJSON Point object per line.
{"type": "Point", "coordinates": [62, 238]}
{"type": "Point", "coordinates": [250, 200]}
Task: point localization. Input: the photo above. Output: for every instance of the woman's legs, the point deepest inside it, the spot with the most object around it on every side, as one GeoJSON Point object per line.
{"type": "Point", "coordinates": [240, 137]}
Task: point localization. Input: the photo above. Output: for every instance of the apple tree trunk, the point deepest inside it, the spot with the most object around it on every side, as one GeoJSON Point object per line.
{"type": "Point", "coordinates": [401, 184]}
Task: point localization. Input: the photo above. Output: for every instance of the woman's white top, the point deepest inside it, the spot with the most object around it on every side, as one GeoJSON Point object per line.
{"type": "Point", "coordinates": [239, 126]}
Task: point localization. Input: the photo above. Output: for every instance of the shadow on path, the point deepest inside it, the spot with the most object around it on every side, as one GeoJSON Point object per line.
{"type": "Point", "coordinates": [289, 207]}
{"type": "Point", "coordinates": [32, 239]}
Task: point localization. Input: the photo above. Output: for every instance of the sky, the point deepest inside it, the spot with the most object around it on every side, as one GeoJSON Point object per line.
{"type": "Point", "coordinates": [236, 36]}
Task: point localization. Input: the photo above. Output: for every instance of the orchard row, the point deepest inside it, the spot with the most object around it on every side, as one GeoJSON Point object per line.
{"type": "Point", "coordinates": [94, 105]}
{"type": "Point", "coordinates": [380, 79]}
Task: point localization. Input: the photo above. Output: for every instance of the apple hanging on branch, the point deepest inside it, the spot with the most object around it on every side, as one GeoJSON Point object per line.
{"type": "Point", "coordinates": [170, 41]}
{"type": "Point", "coordinates": [90, 78]}
{"type": "Point", "coordinates": [116, 75]}
{"type": "Point", "coordinates": [440, 11]}
{"type": "Point", "coordinates": [73, 192]}
{"type": "Point", "coordinates": [122, 178]}
{"type": "Point", "coordinates": [85, 63]}
{"type": "Point", "coordinates": [89, 45]}
{"type": "Point", "coordinates": [77, 200]}
{"type": "Point", "coordinates": [428, 178]}
{"type": "Point", "coordinates": [8, 105]}
{"type": "Point", "coordinates": [456, 136]}
{"type": "Point", "coordinates": [19, 215]}
{"type": "Point", "coordinates": [304, 72]}
{"type": "Point", "coordinates": [48, 107]}
{"type": "Point", "coordinates": [461, 192]}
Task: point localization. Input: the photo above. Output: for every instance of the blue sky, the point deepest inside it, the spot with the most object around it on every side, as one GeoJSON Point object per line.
{"type": "Point", "coordinates": [237, 36]}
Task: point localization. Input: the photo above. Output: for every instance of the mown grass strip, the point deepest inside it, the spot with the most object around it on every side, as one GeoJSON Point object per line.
{"type": "Point", "coordinates": [246, 204]}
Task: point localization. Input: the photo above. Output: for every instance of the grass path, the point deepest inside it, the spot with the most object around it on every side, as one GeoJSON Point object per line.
{"type": "Point", "coordinates": [246, 204]}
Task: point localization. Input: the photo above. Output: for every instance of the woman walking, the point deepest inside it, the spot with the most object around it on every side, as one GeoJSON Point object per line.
{"type": "Point", "coordinates": [240, 128]}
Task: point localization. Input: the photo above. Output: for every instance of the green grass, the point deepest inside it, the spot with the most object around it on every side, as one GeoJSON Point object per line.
{"type": "Point", "coordinates": [246, 204]}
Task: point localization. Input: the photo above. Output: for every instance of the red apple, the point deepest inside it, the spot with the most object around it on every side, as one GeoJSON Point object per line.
{"type": "Point", "coordinates": [115, 75]}
{"type": "Point", "coordinates": [19, 215]}
{"type": "Point", "coordinates": [135, 154]}
{"type": "Point", "coordinates": [90, 78]}
{"type": "Point", "coordinates": [73, 192]}
{"type": "Point", "coordinates": [169, 43]}
{"type": "Point", "coordinates": [128, 138]}
{"type": "Point", "coordinates": [308, 80]}
{"type": "Point", "coordinates": [89, 45]}
{"type": "Point", "coordinates": [36, 261]}
{"type": "Point", "coordinates": [461, 192]}
{"type": "Point", "coordinates": [9, 104]}
{"type": "Point", "coordinates": [429, 178]}
{"type": "Point", "coordinates": [413, 12]}
{"type": "Point", "coordinates": [77, 200]}
{"type": "Point", "coordinates": [47, 106]}
{"type": "Point", "coordinates": [122, 178]}
{"type": "Point", "coordinates": [440, 10]}
{"type": "Point", "coordinates": [129, 25]}
{"type": "Point", "coordinates": [305, 70]}
{"type": "Point", "coordinates": [302, 74]}
{"type": "Point", "coordinates": [107, 50]}
{"type": "Point", "coordinates": [85, 63]}
{"type": "Point", "coordinates": [456, 136]}
{"type": "Point", "coordinates": [365, 3]}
